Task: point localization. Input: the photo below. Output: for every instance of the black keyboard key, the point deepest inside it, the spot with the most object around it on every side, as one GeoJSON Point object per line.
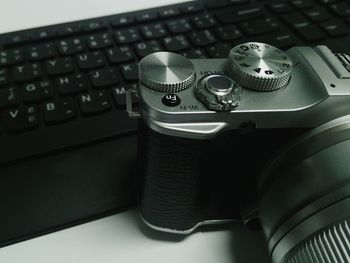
{"type": "Point", "coordinates": [295, 20]}
{"type": "Point", "coordinates": [8, 97]}
{"type": "Point", "coordinates": [99, 41]}
{"type": "Point", "coordinates": [36, 91]}
{"type": "Point", "coordinates": [317, 14]}
{"type": "Point", "coordinates": [11, 57]}
{"type": "Point", "coordinates": [168, 12]}
{"type": "Point", "coordinates": [122, 21]}
{"type": "Point", "coordinates": [310, 32]}
{"type": "Point", "coordinates": [44, 34]}
{"type": "Point", "coordinates": [104, 77]}
{"type": "Point", "coordinates": [71, 84]}
{"type": "Point", "coordinates": [219, 50]}
{"type": "Point", "coordinates": [302, 4]}
{"type": "Point", "coordinates": [281, 40]}
{"type": "Point", "coordinates": [153, 31]}
{"type": "Point", "coordinates": [91, 60]}
{"type": "Point", "coordinates": [146, 16]}
{"type": "Point", "coordinates": [15, 39]}
{"type": "Point", "coordinates": [280, 7]}
{"type": "Point", "coordinates": [20, 119]}
{"type": "Point", "coordinates": [130, 71]}
{"type": "Point", "coordinates": [3, 77]}
{"type": "Point", "coordinates": [127, 36]}
{"type": "Point", "coordinates": [192, 8]}
{"type": "Point", "coordinates": [178, 26]}
{"type": "Point", "coordinates": [238, 2]}
{"type": "Point", "coordinates": [69, 30]}
{"type": "Point", "coordinates": [41, 51]}
{"type": "Point", "coordinates": [70, 46]}
{"type": "Point", "coordinates": [194, 53]}
{"type": "Point", "coordinates": [228, 32]}
{"type": "Point", "coordinates": [260, 26]}
{"type": "Point", "coordinates": [202, 38]}
{"type": "Point", "coordinates": [230, 16]}
{"type": "Point", "coordinates": [119, 94]}
{"type": "Point", "coordinates": [327, 2]}
{"type": "Point", "coordinates": [335, 28]}
{"type": "Point", "coordinates": [59, 110]}
{"type": "Point", "coordinates": [26, 72]}
{"type": "Point", "coordinates": [175, 43]}
{"type": "Point", "coordinates": [203, 21]}
{"type": "Point", "coordinates": [340, 9]}
{"type": "Point", "coordinates": [94, 102]}
{"type": "Point", "coordinates": [212, 4]}
{"type": "Point", "coordinates": [146, 48]}
{"type": "Point", "coordinates": [94, 26]}
{"type": "Point", "coordinates": [120, 54]}
{"type": "Point", "coordinates": [59, 66]}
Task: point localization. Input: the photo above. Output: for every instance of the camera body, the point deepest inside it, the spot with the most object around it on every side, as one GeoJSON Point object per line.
{"type": "Point", "coordinates": [208, 127]}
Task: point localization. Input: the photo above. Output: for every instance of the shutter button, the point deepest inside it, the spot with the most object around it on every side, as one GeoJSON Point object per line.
{"type": "Point", "coordinates": [218, 92]}
{"type": "Point", "coordinates": [219, 85]}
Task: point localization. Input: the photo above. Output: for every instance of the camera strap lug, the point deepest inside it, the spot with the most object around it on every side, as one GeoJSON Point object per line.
{"type": "Point", "coordinates": [130, 94]}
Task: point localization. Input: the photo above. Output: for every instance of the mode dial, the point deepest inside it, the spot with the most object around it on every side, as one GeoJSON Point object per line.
{"type": "Point", "coordinates": [166, 72]}
{"type": "Point", "coordinates": [259, 66]}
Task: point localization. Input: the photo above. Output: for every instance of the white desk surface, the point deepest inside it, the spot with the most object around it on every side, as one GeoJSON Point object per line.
{"type": "Point", "coordinates": [122, 237]}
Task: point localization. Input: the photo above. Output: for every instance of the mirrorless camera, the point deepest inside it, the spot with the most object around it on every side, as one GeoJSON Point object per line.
{"type": "Point", "coordinates": [262, 136]}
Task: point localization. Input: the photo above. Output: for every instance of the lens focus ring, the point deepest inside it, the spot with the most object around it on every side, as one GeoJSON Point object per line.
{"type": "Point", "coordinates": [305, 198]}
{"type": "Point", "coordinates": [329, 245]}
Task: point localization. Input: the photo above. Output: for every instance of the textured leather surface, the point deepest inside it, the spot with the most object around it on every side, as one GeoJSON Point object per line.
{"type": "Point", "coordinates": [186, 181]}
{"type": "Point", "coordinates": [176, 193]}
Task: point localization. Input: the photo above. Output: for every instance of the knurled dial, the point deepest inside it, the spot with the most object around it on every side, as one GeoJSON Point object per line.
{"type": "Point", "coordinates": [166, 72]}
{"type": "Point", "coordinates": [259, 66]}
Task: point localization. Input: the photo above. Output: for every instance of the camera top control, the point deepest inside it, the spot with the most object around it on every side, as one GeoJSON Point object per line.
{"type": "Point", "coordinates": [218, 92]}
{"type": "Point", "coordinates": [257, 83]}
{"type": "Point", "coordinates": [259, 66]}
{"type": "Point", "coordinates": [166, 72]}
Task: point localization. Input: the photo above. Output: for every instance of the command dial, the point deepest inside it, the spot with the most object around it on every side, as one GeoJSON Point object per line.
{"type": "Point", "coordinates": [259, 66]}
{"type": "Point", "coordinates": [166, 72]}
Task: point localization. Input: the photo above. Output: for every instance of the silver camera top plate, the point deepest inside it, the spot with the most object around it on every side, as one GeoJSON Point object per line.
{"type": "Point", "coordinates": [315, 94]}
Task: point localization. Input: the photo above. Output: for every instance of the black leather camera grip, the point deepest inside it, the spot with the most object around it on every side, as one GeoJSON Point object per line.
{"type": "Point", "coordinates": [182, 183]}
{"type": "Point", "coordinates": [187, 181]}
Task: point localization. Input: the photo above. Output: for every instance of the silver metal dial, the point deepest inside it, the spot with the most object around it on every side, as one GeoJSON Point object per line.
{"type": "Point", "coordinates": [166, 72]}
{"type": "Point", "coordinates": [259, 66]}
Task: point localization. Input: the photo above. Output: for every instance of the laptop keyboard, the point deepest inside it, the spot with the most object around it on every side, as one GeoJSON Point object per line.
{"type": "Point", "coordinates": [64, 85]}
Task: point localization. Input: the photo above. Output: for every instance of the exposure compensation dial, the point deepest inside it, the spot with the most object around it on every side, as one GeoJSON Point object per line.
{"type": "Point", "coordinates": [259, 66]}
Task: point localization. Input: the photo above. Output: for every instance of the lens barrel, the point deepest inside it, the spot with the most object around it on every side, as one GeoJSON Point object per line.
{"type": "Point", "coordinates": [305, 198]}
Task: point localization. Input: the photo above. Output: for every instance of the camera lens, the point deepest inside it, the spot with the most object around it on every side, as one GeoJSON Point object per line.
{"type": "Point", "coordinates": [305, 197]}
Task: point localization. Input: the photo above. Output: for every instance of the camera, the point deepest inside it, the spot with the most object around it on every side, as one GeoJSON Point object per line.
{"type": "Point", "coordinates": [261, 137]}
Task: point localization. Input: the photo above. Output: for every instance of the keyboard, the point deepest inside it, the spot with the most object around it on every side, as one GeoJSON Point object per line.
{"type": "Point", "coordinates": [62, 87]}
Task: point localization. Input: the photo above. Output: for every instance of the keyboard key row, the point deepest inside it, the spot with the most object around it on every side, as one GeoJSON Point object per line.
{"type": "Point", "coordinates": [89, 26]}
{"type": "Point", "coordinates": [201, 21]}
{"type": "Point", "coordinates": [44, 90]}
{"type": "Point", "coordinates": [61, 110]}
{"type": "Point", "coordinates": [98, 41]}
